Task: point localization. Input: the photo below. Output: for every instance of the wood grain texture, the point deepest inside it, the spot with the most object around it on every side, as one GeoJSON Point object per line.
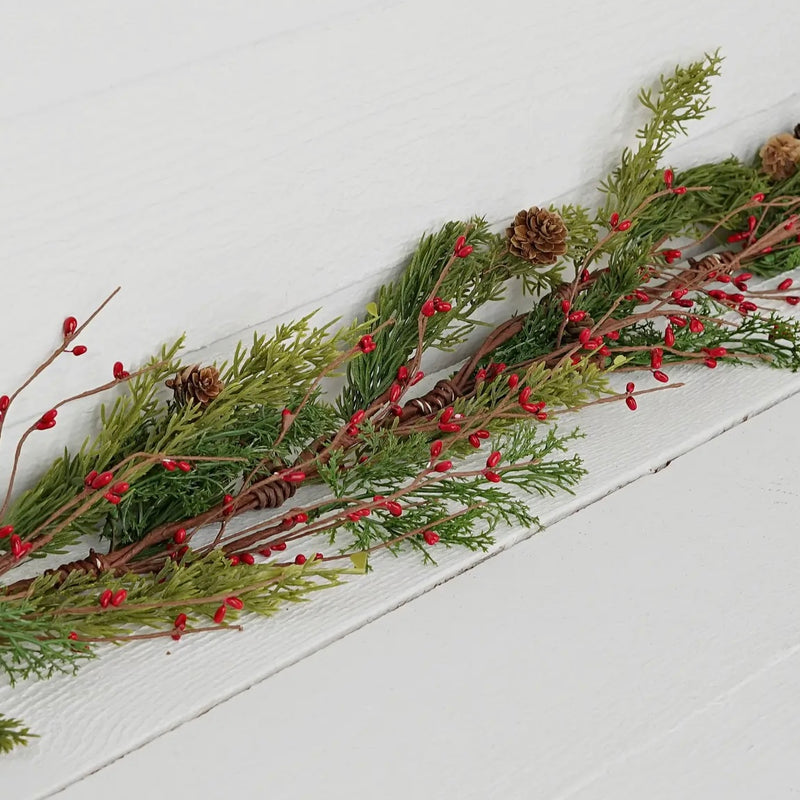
{"type": "Point", "coordinates": [647, 646]}
{"type": "Point", "coordinates": [153, 688]}
{"type": "Point", "coordinates": [231, 168]}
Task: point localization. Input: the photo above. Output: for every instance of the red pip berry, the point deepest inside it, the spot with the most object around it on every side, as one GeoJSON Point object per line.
{"type": "Point", "coordinates": [428, 308]}
{"type": "Point", "coordinates": [442, 306]}
{"type": "Point", "coordinates": [318, 556]}
{"type": "Point", "coordinates": [525, 394]}
{"type": "Point", "coordinates": [630, 386]}
{"type": "Point", "coordinates": [464, 251]}
{"type": "Point", "coordinates": [112, 498]}
{"type": "Point", "coordinates": [660, 376]}
{"type": "Point", "coordinates": [44, 426]}
{"type": "Point", "coordinates": [70, 326]}
{"type": "Point", "coordinates": [491, 476]}
{"type": "Point", "coordinates": [630, 401]}
{"type": "Point", "coordinates": [5, 402]}
{"type": "Point", "coordinates": [300, 559]}
{"type": "Point", "coordinates": [233, 561]}
{"type": "Point", "coordinates": [234, 602]}
{"type": "Point", "coordinates": [417, 378]}
{"type": "Point", "coordinates": [358, 417]}
{"type": "Point", "coordinates": [565, 306]}
{"type": "Point", "coordinates": [443, 466]}
{"type": "Point", "coordinates": [577, 316]}
{"type": "Point", "coordinates": [738, 237]}
{"type": "Point", "coordinates": [279, 546]}
{"type": "Point", "coordinates": [449, 427]}
{"type": "Point", "coordinates": [168, 464]}
{"type": "Point", "coordinates": [716, 352]}
{"type": "Point", "coordinates": [120, 487]}
{"type": "Point", "coordinates": [402, 373]}
{"type": "Point", "coordinates": [669, 177]}
{"type": "Point", "coordinates": [656, 357]}
{"type": "Point", "coordinates": [179, 537]}
{"type": "Point", "coordinates": [300, 518]}
{"type": "Point", "coordinates": [227, 504]}
{"type": "Point", "coordinates": [119, 598]}
{"type": "Point", "coordinates": [6, 530]}
{"type": "Point", "coordinates": [784, 285]}
{"type": "Point", "coordinates": [460, 242]}
{"type": "Point", "coordinates": [758, 197]}
{"type": "Point", "coordinates": [474, 440]}
{"type": "Point", "coordinates": [78, 350]}
{"type": "Point", "coordinates": [624, 225]}
{"type": "Point", "coordinates": [613, 220]}
{"type": "Point", "coordinates": [247, 558]}
{"type": "Point", "coordinates": [295, 476]}
{"type": "Point", "coordinates": [180, 622]}
{"type": "Point", "coordinates": [480, 375]}
{"type": "Point", "coordinates": [72, 635]}
{"type": "Point", "coordinates": [366, 344]}
{"type": "Point", "coordinates": [669, 336]}
{"type": "Point", "coordinates": [265, 551]}
{"type": "Point", "coordinates": [102, 480]}
{"type": "Point", "coordinates": [394, 508]}
{"type": "Point", "coordinates": [513, 380]}
{"type": "Point", "coordinates": [792, 301]}
{"type": "Point", "coordinates": [679, 190]}
{"type": "Point", "coordinates": [747, 306]}
{"type": "Point", "coordinates": [105, 598]}
{"type": "Point", "coordinates": [695, 326]}
{"type": "Point", "coordinates": [711, 363]}
{"type": "Point", "coordinates": [436, 448]}
{"type": "Point", "coordinates": [494, 459]}
{"type": "Point", "coordinates": [430, 537]}
{"type": "Point", "coordinates": [447, 414]}
{"type": "Point", "coordinates": [482, 433]}
{"type": "Point", "coordinates": [184, 466]}
{"type": "Point", "coordinates": [16, 546]}
{"type": "Point", "coordinates": [584, 336]}
{"type": "Point", "coordinates": [394, 392]}
{"type": "Point", "coordinates": [219, 614]}
{"type": "Point", "coordinates": [119, 371]}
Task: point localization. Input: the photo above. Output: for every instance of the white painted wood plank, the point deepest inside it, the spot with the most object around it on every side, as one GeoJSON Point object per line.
{"type": "Point", "coordinates": [224, 188]}
{"type": "Point", "coordinates": [196, 676]}
{"type": "Point", "coordinates": [647, 646]}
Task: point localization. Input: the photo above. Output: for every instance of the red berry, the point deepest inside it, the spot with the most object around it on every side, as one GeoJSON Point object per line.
{"type": "Point", "coordinates": [460, 242]}
{"type": "Point", "coordinates": [168, 464]}
{"type": "Point", "coordinates": [234, 602]}
{"type": "Point", "coordinates": [443, 307]}
{"type": "Point", "coordinates": [112, 498]}
{"type": "Point", "coordinates": [79, 350]}
{"type": "Point", "coordinates": [72, 635]}
{"type": "Point", "coordinates": [491, 476]}
{"type": "Point", "coordinates": [431, 537]}
{"type": "Point", "coordinates": [656, 357]}
{"type": "Point", "coordinates": [669, 176]}
{"type": "Point", "coordinates": [669, 336]}
{"type": "Point", "coordinates": [624, 225]}
{"type": "Point", "coordinates": [660, 376]}
{"type": "Point", "coordinates": [565, 306]}
{"type": "Point", "coordinates": [630, 386]}
{"type": "Point", "coordinates": [233, 560]}
{"type": "Point", "coordinates": [265, 551]}
{"type": "Point", "coordinates": [102, 480]}
{"type": "Point", "coordinates": [394, 392]}
{"type": "Point", "coordinates": [119, 370]}
{"type": "Point", "coordinates": [447, 414]}
{"type": "Point", "coordinates": [179, 537]}
{"type": "Point", "coordinates": [710, 362]}
{"type": "Point", "coordinates": [436, 448]}
{"type": "Point", "coordinates": [105, 598]}
{"type": "Point", "coordinates": [482, 433]}
{"type": "Point", "coordinates": [513, 380]}
{"type": "Point", "coordinates": [695, 326]}
{"type": "Point", "coordinates": [70, 326]}
{"type": "Point", "coordinates": [184, 466]}
{"type": "Point", "coordinates": [464, 251]}
{"type": "Point", "coordinates": [119, 598]}
{"type": "Point", "coordinates": [449, 427]}
{"type": "Point", "coordinates": [301, 517]}
{"type": "Point", "coordinates": [299, 559]}
{"type": "Point", "coordinates": [443, 466]}
{"type": "Point", "coordinates": [784, 285]}
{"type": "Point", "coordinates": [631, 403]}
{"type": "Point", "coordinates": [247, 558]}
{"type": "Point", "coordinates": [758, 197]}
{"type": "Point", "coordinates": [279, 546]}
{"type": "Point", "coordinates": [577, 316]}
{"type": "Point", "coordinates": [474, 440]}
{"type": "Point", "coordinates": [120, 488]}
{"type": "Point", "coordinates": [494, 459]}
{"type": "Point", "coordinates": [613, 220]}
{"type": "Point", "coordinates": [525, 394]}
{"type": "Point", "coordinates": [5, 402]}
{"type": "Point", "coordinates": [219, 614]}
{"type": "Point", "coordinates": [402, 373]}
{"type": "Point", "coordinates": [793, 301]}
{"type": "Point", "coordinates": [227, 504]}
{"type": "Point", "coordinates": [395, 509]}
{"type": "Point", "coordinates": [417, 378]}
{"type": "Point", "coordinates": [679, 190]}
{"type": "Point", "coordinates": [428, 309]}
{"type": "Point", "coordinates": [6, 530]}
{"type": "Point", "coordinates": [294, 477]}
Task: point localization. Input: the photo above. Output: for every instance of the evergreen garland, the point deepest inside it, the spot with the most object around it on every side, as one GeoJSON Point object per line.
{"type": "Point", "coordinates": [164, 476]}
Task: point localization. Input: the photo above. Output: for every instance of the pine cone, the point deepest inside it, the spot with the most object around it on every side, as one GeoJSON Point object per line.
{"type": "Point", "coordinates": [538, 236]}
{"type": "Point", "coordinates": [780, 156]}
{"type": "Point", "coordinates": [196, 384]}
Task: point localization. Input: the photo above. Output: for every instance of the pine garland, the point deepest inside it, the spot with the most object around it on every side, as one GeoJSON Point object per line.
{"type": "Point", "coordinates": [165, 475]}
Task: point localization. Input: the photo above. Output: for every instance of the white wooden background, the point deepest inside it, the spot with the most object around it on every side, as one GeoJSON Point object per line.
{"type": "Point", "coordinates": [232, 164]}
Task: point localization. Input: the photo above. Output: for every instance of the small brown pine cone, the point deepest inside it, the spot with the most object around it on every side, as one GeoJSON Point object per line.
{"type": "Point", "coordinates": [538, 236]}
{"type": "Point", "coordinates": [196, 384]}
{"type": "Point", "coordinates": [780, 156]}
{"type": "Point", "coordinates": [572, 330]}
